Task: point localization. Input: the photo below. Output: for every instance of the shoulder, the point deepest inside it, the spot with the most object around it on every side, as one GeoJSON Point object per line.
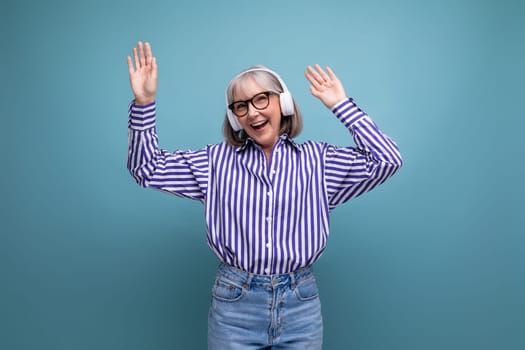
{"type": "Point", "coordinates": [220, 149]}
{"type": "Point", "coordinates": [312, 146]}
{"type": "Point", "coordinates": [221, 146]}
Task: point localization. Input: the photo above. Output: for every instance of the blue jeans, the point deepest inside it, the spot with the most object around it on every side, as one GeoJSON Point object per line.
{"type": "Point", "coordinates": [255, 312]}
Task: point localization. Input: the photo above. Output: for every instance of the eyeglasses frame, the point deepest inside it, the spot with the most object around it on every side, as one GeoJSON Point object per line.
{"type": "Point", "coordinates": [267, 93]}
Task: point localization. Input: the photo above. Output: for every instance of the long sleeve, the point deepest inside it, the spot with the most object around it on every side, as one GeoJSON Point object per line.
{"type": "Point", "coordinates": [352, 171]}
{"type": "Point", "coordinates": [182, 173]}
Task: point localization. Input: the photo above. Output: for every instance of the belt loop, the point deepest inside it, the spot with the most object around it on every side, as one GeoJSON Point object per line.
{"type": "Point", "coordinates": [292, 280]}
{"type": "Point", "coordinates": [248, 282]}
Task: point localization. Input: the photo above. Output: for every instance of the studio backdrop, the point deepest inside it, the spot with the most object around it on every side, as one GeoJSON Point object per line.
{"type": "Point", "coordinates": [434, 259]}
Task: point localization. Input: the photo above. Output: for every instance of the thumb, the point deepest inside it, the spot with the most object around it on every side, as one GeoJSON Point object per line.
{"type": "Point", "coordinates": [154, 73]}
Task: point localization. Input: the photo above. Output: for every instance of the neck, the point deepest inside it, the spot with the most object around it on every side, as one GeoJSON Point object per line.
{"type": "Point", "coordinates": [268, 154]}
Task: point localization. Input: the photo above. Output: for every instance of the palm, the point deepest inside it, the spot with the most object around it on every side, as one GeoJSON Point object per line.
{"type": "Point", "coordinates": [326, 87]}
{"type": "Point", "coordinates": [143, 82]}
{"type": "Point", "coordinates": [143, 76]}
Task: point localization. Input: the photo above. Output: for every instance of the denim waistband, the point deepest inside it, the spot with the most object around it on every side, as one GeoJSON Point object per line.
{"type": "Point", "coordinates": [245, 279]}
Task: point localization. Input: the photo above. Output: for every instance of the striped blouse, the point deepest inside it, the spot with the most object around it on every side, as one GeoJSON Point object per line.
{"type": "Point", "coordinates": [266, 217]}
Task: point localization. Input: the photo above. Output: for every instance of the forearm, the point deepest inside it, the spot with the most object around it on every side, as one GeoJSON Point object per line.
{"type": "Point", "coordinates": [142, 142]}
{"type": "Point", "coordinates": [367, 136]}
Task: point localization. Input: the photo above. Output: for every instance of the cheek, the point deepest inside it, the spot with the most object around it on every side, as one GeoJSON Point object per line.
{"type": "Point", "coordinates": [276, 115]}
{"type": "Point", "coordinates": [243, 123]}
{"type": "Point", "coordinates": [274, 111]}
{"type": "Point", "coordinates": [276, 105]}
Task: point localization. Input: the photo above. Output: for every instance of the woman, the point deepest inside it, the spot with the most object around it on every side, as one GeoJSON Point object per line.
{"type": "Point", "coordinates": [267, 198]}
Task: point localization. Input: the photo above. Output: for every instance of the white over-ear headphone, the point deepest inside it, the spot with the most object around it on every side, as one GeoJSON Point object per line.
{"type": "Point", "coordinates": [285, 98]}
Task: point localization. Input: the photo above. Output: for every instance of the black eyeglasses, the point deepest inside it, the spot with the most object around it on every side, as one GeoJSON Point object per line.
{"type": "Point", "coordinates": [259, 101]}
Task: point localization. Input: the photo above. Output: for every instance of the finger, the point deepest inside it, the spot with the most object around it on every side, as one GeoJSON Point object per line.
{"type": "Point", "coordinates": [311, 78]}
{"type": "Point", "coordinates": [308, 76]}
{"type": "Point", "coordinates": [141, 54]}
{"type": "Point", "coordinates": [147, 47]}
{"type": "Point", "coordinates": [322, 73]}
{"type": "Point", "coordinates": [314, 92]}
{"type": "Point", "coordinates": [136, 56]}
{"type": "Point", "coordinates": [316, 75]}
{"type": "Point", "coordinates": [331, 73]}
{"type": "Point", "coordinates": [130, 66]}
{"type": "Point", "coordinates": [154, 65]}
{"type": "Point", "coordinates": [149, 54]}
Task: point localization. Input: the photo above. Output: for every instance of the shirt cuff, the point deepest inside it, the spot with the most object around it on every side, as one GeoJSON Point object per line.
{"type": "Point", "coordinates": [142, 117]}
{"type": "Point", "coordinates": [348, 112]}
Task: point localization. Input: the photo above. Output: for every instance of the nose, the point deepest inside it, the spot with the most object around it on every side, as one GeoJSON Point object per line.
{"type": "Point", "coordinates": [252, 111]}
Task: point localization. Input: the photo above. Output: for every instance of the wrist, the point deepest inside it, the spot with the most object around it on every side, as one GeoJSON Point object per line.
{"type": "Point", "coordinates": [339, 102]}
{"type": "Point", "coordinates": [144, 101]}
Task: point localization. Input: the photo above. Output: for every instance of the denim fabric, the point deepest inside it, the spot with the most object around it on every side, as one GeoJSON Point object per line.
{"type": "Point", "coordinates": [252, 312]}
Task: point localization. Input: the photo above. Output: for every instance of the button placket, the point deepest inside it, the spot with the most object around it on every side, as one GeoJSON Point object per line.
{"type": "Point", "coordinates": [269, 215]}
{"type": "Point", "coordinates": [269, 231]}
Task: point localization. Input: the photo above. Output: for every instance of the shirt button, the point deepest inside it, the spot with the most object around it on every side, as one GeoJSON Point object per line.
{"type": "Point", "coordinates": [273, 172]}
{"type": "Point", "coordinates": [267, 270]}
{"type": "Point", "coordinates": [268, 244]}
{"type": "Point", "coordinates": [268, 219]}
{"type": "Point", "coordinates": [269, 193]}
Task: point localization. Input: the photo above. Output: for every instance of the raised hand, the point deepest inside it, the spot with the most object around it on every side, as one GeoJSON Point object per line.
{"type": "Point", "coordinates": [326, 87]}
{"type": "Point", "coordinates": [143, 76]}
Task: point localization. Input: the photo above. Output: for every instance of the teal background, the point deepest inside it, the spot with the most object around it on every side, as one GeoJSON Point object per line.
{"type": "Point", "coordinates": [434, 259]}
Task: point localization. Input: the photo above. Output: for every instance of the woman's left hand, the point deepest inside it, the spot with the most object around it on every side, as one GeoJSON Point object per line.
{"type": "Point", "coordinates": [326, 87]}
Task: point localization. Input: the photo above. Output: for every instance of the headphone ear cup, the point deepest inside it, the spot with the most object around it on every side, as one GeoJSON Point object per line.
{"type": "Point", "coordinates": [286, 100]}
{"type": "Point", "coordinates": [236, 126]}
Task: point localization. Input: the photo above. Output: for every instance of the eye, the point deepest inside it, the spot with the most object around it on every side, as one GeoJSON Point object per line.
{"type": "Point", "coordinates": [239, 107]}
{"type": "Point", "coordinates": [260, 100]}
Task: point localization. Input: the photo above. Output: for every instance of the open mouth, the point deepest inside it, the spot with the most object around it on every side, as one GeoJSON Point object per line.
{"type": "Point", "coordinates": [259, 125]}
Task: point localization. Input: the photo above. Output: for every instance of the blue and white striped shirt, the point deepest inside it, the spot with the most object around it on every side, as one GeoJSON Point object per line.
{"type": "Point", "coordinates": [266, 217]}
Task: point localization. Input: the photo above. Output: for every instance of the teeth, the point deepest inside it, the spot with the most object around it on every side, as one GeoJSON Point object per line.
{"type": "Point", "coordinates": [259, 124]}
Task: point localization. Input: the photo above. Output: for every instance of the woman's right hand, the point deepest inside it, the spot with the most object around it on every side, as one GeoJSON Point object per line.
{"type": "Point", "coordinates": [143, 76]}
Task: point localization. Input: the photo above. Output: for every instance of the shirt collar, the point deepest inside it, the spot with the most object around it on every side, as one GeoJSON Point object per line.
{"type": "Point", "coordinates": [283, 138]}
